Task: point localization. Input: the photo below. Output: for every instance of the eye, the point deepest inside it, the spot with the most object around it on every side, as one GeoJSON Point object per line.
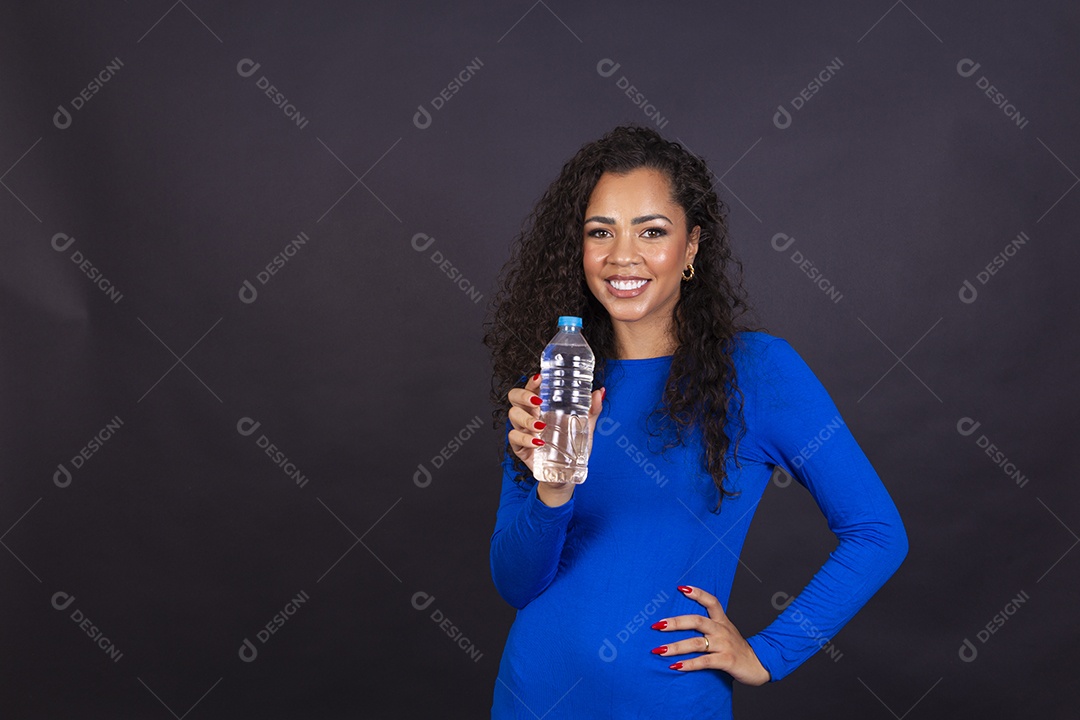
{"type": "Point", "coordinates": [595, 233]}
{"type": "Point", "coordinates": [659, 232]}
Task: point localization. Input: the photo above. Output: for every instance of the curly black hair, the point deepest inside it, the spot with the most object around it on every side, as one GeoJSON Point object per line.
{"type": "Point", "coordinates": [544, 278]}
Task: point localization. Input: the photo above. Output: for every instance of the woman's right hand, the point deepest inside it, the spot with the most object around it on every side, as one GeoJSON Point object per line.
{"type": "Point", "coordinates": [526, 429]}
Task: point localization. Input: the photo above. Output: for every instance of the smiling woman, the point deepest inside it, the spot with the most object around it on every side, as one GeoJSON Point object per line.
{"type": "Point", "coordinates": [632, 238]}
{"type": "Point", "coordinates": [638, 258]}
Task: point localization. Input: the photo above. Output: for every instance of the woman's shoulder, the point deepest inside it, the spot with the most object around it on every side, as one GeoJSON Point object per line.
{"type": "Point", "coordinates": [751, 344]}
{"type": "Point", "coordinates": [762, 355]}
{"type": "Point", "coordinates": [756, 337]}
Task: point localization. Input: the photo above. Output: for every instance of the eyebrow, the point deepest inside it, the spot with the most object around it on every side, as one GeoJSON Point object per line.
{"type": "Point", "coordinates": [635, 221]}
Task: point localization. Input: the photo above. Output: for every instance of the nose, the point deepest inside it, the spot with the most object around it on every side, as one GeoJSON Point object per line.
{"type": "Point", "coordinates": [624, 250]}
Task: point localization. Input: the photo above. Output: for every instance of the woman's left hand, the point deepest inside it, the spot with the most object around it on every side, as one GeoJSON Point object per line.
{"type": "Point", "coordinates": [723, 647]}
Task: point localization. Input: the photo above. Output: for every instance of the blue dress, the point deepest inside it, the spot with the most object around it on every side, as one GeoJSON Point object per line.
{"type": "Point", "coordinates": [589, 578]}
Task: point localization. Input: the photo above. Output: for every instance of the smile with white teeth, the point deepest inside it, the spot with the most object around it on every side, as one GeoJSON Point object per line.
{"type": "Point", "coordinates": [627, 284]}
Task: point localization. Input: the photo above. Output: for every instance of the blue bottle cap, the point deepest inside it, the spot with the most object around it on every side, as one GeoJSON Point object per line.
{"type": "Point", "coordinates": [569, 320]}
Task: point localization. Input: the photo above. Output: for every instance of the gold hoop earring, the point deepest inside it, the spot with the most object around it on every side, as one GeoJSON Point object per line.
{"type": "Point", "coordinates": [689, 267]}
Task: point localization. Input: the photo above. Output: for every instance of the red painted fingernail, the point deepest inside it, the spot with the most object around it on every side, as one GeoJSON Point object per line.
{"type": "Point", "coordinates": [659, 625]}
{"type": "Point", "coordinates": [659, 650]}
{"type": "Point", "coordinates": [539, 425]}
{"type": "Point", "coordinates": [603, 392]}
{"type": "Point", "coordinates": [685, 589]}
{"type": "Point", "coordinates": [536, 376]}
{"type": "Point", "coordinates": [676, 666]}
{"type": "Point", "coordinates": [537, 442]}
{"type": "Point", "coordinates": [535, 400]}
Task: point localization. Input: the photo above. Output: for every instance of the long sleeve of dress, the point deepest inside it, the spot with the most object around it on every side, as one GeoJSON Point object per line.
{"type": "Point", "coordinates": [528, 538]}
{"type": "Point", "coordinates": [798, 427]}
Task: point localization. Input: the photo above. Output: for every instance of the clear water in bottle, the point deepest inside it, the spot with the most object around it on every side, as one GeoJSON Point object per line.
{"type": "Point", "coordinates": [566, 379]}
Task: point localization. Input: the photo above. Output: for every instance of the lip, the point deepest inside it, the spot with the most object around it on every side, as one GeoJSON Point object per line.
{"type": "Point", "coordinates": [622, 294]}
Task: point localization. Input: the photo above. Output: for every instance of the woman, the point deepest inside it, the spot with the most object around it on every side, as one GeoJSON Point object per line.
{"type": "Point", "coordinates": [621, 582]}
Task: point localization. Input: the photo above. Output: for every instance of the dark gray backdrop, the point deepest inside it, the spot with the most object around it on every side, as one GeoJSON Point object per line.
{"type": "Point", "coordinates": [877, 159]}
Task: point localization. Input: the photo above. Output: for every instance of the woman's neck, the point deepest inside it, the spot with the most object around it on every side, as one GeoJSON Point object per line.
{"type": "Point", "coordinates": [635, 346]}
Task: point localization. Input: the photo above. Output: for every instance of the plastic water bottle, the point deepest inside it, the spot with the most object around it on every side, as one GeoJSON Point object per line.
{"type": "Point", "coordinates": [566, 379]}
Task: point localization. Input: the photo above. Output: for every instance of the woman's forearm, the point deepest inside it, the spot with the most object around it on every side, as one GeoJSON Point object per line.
{"type": "Point", "coordinates": [526, 546]}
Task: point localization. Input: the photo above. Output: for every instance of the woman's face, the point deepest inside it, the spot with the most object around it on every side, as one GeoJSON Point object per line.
{"type": "Point", "coordinates": [636, 246]}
